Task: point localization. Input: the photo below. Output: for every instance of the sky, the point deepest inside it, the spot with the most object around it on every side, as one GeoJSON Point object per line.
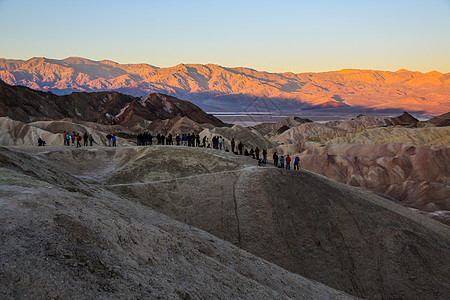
{"type": "Point", "coordinates": [274, 36]}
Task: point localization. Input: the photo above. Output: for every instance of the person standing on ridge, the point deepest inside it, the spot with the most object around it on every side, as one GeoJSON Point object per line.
{"type": "Point", "coordinates": [257, 153]}
{"type": "Point", "coordinates": [197, 140]}
{"type": "Point", "coordinates": [240, 147]}
{"type": "Point", "coordinates": [264, 153]}
{"type": "Point", "coordinates": [114, 139]}
{"type": "Point", "coordinates": [64, 138]}
{"type": "Point", "coordinates": [233, 143]}
{"type": "Point", "coordinates": [109, 137]}
{"type": "Point", "coordinates": [288, 162]}
{"type": "Point", "coordinates": [220, 140]}
{"type": "Point", "coordinates": [78, 138]}
{"type": "Point", "coordinates": [296, 161]}
{"type": "Point", "coordinates": [85, 139]}
{"type": "Point", "coordinates": [68, 138]}
{"type": "Point", "coordinates": [91, 140]}
{"type": "Point", "coordinates": [73, 136]}
{"type": "Point", "coordinates": [282, 162]}
{"type": "Point", "coordinates": [275, 159]}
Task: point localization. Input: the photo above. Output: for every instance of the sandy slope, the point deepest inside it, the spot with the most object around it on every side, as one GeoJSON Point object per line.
{"type": "Point", "coordinates": [341, 236]}
{"type": "Point", "coordinates": [66, 236]}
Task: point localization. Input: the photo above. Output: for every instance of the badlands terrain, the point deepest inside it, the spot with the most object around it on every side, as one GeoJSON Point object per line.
{"type": "Point", "coordinates": [176, 222]}
{"type": "Point", "coordinates": [217, 88]}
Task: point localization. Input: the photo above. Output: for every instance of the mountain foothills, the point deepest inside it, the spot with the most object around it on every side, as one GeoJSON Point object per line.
{"type": "Point", "coordinates": [218, 88]}
{"type": "Point", "coordinates": [24, 104]}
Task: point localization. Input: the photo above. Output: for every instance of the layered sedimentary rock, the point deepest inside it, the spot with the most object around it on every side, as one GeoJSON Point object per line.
{"type": "Point", "coordinates": [416, 176]}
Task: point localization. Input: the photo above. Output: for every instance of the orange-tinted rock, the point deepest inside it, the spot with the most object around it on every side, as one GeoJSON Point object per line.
{"type": "Point", "coordinates": [211, 85]}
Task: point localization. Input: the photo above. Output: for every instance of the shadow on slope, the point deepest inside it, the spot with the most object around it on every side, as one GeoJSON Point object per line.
{"type": "Point", "coordinates": [341, 236]}
{"type": "Point", "coordinates": [58, 242]}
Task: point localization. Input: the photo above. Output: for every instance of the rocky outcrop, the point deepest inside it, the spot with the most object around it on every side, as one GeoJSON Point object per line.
{"type": "Point", "coordinates": [342, 236]}
{"type": "Point", "coordinates": [302, 132]}
{"type": "Point", "coordinates": [216, 87]}
{"type": "Point", "coordinates": [271, 129]}
{"type": "Point", "coordinates": [177, 125]}
{"type": "Point", "coordinates": [442, 120]}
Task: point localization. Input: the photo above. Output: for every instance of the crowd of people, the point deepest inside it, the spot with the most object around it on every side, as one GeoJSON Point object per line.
{"type": "Point", "coordinates": [186, 139]}
{"type": "Point", "coordinates": [216, 142]}
{"type": "Point", "coordinates": [75, 138]}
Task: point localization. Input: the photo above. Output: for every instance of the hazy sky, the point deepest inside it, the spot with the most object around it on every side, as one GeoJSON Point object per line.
{"type": "Point", "coordinates": [274, 36]}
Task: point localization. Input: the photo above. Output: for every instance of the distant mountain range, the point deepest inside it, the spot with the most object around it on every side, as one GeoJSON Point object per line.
{"type": "Point", "coordinates": [217, 88]}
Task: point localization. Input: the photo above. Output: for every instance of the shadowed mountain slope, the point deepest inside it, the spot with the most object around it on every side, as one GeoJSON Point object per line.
{"type": "Point", "coordinates": [26, 105]}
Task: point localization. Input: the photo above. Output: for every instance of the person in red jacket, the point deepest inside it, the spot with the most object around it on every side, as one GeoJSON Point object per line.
{"type": "Point", "coordinates": [78, 138]}
{"type": "Point", "coordinates": [288, 162]}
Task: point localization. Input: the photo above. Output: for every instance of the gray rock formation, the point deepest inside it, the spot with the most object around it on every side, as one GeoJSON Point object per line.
{"type": "Point", "coordinates": [69, 237]}
{"type": "Point", "coordinates": [342, 236]}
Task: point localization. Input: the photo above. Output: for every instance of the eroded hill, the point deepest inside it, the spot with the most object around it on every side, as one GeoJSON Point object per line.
{"type": "Point", "coordinates": [342, 236]}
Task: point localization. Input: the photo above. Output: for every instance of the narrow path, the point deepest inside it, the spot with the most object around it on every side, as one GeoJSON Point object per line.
{"type": "Point", "coordinates": [185, 177]}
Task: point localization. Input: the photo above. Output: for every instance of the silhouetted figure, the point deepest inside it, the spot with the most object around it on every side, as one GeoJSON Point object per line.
{"type": "Point", "coordinates": [85, 139]}
{"type": "Point", "coordinates": [91, 140]}
{"type": "Point", "coordinates": [264, 153]}
{"type": "Point", "coordinates": [177, 139]}
{"type": "Point", "coordinates": [233, 144]}
{"type": "Point", "coordinates": [41, 142]}
{"type": "Point", "coordinates": [275, 159]}
{"type": "Point", "coordinates": [240, 147]}
{"type": "Point", "coordinates": [109, 137]}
